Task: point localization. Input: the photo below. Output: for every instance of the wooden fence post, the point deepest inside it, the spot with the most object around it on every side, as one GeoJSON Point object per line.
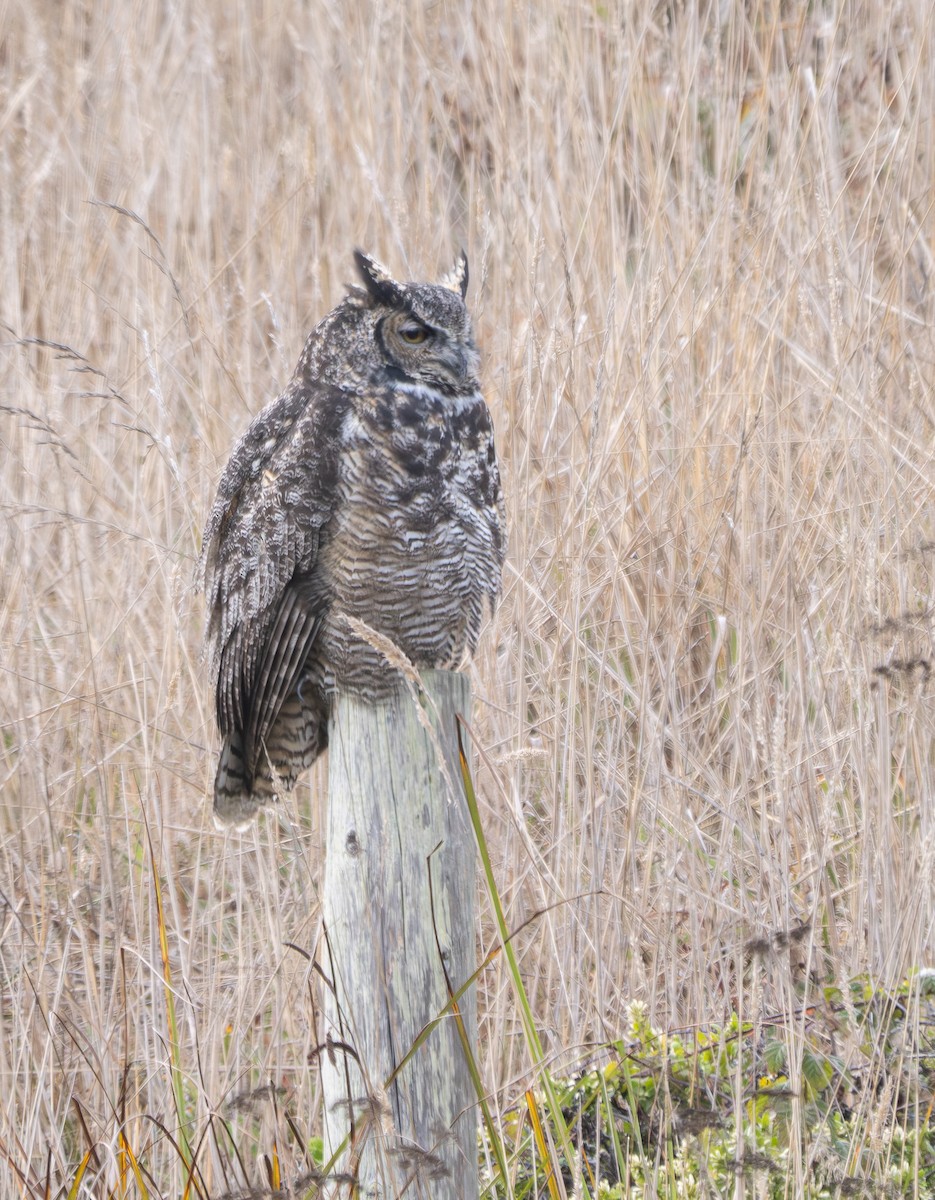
{"type": "Point", "coordinates": [399, 886]}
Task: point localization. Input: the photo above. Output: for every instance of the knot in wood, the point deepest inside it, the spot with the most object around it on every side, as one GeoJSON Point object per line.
{"type": "Point", "coordinates": [351, 844]}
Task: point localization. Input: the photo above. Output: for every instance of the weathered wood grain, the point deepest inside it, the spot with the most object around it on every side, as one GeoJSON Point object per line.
{"type": "Point", "coordinates": [392, 821]}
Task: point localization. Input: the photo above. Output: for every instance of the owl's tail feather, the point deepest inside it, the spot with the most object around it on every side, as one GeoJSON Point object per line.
{"type": "Point", "coordinates": [296, 740]}
{"type": "Point", "coordinates": [235, 802]}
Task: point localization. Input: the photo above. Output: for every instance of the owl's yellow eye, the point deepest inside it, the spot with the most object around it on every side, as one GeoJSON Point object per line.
{"type": "Point", "coordinates": [414, 335]}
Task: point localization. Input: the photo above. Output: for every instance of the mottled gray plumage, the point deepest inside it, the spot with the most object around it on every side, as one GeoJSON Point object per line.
{"type": "Point", "coordinates": [370, 489]}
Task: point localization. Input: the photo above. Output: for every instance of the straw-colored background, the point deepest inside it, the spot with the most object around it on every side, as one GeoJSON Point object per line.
{"type": "Point", "coordinates": [702, 245]}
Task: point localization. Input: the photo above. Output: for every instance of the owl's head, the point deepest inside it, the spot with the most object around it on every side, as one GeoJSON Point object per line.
{"type": "Point", "coordinates": [422, 330]}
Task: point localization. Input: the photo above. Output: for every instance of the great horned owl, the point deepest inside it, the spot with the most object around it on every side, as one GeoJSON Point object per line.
{"type": "Point", "coordinates": [369, 489]}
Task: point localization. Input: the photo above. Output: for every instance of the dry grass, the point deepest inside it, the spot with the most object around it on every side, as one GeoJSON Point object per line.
{"type": "Point", "coordinates": [702, 244]}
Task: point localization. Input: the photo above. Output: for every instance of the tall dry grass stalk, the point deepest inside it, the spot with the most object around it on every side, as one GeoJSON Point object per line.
{"type": "Point", "coordinates": [702, 241]}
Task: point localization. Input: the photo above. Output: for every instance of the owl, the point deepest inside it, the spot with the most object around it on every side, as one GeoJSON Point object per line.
{"type": "Point", "coordinates": [369, 489]}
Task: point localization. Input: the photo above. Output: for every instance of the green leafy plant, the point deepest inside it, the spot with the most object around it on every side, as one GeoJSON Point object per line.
{"type": "Point", "coordinates": [658, 1116]}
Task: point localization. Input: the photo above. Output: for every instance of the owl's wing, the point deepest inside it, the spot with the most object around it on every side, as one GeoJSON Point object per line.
{"type": "Point", "coordinates": [265, 683]}
{"type": "Point", "coordinates": [266, 599]}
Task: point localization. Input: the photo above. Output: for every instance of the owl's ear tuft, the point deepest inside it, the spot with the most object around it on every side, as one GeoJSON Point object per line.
{"type": "Point", "coordinates": [457, 278]}
{"type": "Point", "coordinates": [380, 284]}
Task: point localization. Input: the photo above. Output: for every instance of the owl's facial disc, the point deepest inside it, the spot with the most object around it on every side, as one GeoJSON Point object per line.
{"type": "Point", "coordinates": [422, 352]}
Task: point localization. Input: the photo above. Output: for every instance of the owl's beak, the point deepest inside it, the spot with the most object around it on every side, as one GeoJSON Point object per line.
{"type": "Point", "coordinates": [458, 362]}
